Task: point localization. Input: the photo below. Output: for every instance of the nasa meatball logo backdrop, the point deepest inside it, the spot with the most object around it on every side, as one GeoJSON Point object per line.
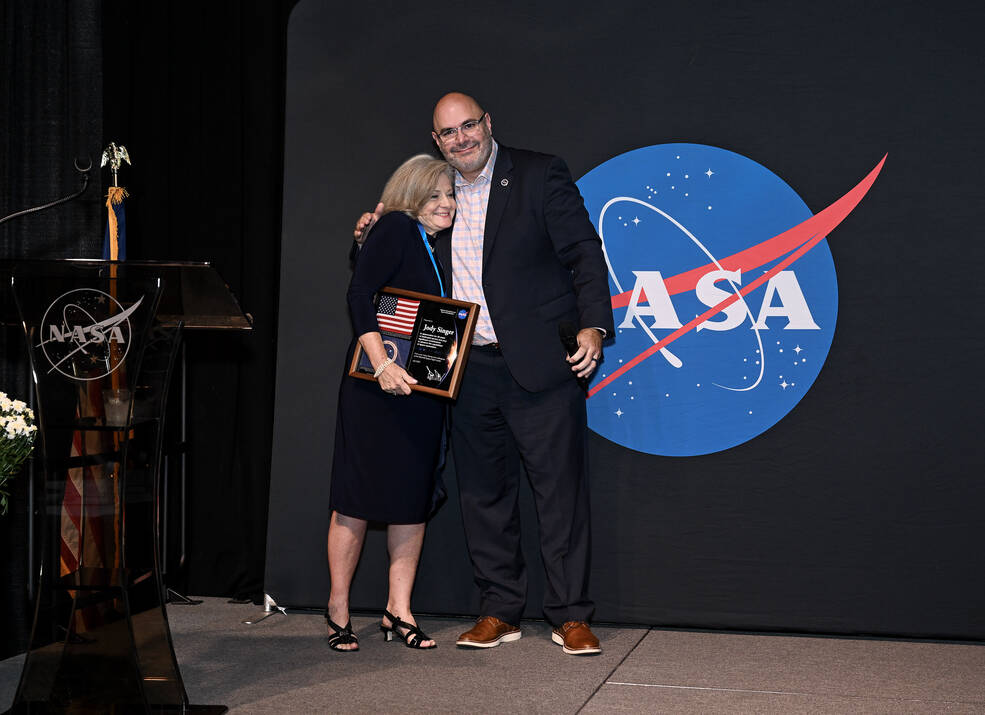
{"type": "Point", "coordinates": [724, 294]}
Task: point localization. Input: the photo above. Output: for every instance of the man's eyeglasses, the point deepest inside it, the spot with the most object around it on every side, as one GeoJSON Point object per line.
{"type": "Point", "coordinates": [446, 135]}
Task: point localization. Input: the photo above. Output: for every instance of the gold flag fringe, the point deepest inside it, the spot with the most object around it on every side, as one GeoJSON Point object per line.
{"type": "Point", "coordinates": [115, 196]}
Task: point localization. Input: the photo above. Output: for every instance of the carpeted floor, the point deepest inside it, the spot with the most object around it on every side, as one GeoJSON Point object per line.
{"type": "Point", "coordinates": [282, 665]}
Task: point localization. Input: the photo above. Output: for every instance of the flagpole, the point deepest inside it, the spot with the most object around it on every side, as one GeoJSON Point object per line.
{"type": "Point", "coordinates": [115, 230]}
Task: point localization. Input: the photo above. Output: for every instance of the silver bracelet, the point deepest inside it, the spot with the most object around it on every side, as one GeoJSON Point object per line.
{"type": "Point", "coordinates": [383, 366]}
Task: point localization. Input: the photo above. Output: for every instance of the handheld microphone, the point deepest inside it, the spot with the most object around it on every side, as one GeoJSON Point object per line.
{"type": "Point", "coordinates": [569, 340]}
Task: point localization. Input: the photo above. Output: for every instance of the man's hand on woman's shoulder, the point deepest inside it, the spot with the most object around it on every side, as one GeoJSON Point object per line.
{"type": "Point", "coordinates": [366, 222]}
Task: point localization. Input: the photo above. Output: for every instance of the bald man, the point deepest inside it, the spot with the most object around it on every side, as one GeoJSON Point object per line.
{"type": "Point", "coordinates": [523, 248]}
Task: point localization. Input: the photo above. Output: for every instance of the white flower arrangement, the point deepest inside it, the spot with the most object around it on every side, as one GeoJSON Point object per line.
{"type": "Point", "coordinates": [17, 433]}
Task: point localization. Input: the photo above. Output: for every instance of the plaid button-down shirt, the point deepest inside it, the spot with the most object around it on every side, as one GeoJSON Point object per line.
{"type": "Point", "coordinates": [466, 244]}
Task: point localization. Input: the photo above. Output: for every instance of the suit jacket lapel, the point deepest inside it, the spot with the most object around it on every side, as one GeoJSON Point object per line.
{"type": "Point", "coordinates": [499, 193]}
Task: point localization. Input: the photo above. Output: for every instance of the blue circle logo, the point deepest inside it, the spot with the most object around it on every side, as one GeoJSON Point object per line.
{"type": "Point", "coordinates": [724, 294]}
{"type": "Point", "coordinates": [463, 314]}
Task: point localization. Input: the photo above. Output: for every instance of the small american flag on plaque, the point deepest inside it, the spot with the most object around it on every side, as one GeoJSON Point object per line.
{"type": "Point", "coordinates": [397, 315]}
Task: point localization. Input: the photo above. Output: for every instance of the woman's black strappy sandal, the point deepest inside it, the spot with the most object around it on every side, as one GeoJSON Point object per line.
{"type": "Point", "coordinates": [412, 638]}
{"type": "Point", "coordinates": [341, 636]}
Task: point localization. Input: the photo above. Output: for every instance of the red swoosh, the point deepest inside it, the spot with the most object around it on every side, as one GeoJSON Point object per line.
{"type": "Point", "coordinates": [799, 239]}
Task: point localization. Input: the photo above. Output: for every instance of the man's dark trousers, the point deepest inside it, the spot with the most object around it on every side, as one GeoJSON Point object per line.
{"type": "Point", "coordinates": [493, 417]}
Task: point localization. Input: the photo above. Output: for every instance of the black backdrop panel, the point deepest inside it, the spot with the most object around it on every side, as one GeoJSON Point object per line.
{"type": "Point", "coordinates": [860, 511]}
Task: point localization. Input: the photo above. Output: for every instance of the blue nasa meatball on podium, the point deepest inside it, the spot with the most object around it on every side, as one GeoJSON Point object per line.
{"type": "Point", "coordinates": [102, 339]}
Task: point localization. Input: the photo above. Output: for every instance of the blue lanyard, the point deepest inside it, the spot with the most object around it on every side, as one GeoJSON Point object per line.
{"type": "Point", "coordinates": [424, 237]}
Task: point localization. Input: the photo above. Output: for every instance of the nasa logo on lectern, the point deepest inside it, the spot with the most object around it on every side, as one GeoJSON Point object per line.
{"type": "Point", "coordinates": [86, 334]}
{"type": "Point", "coordinates": [724, 294]}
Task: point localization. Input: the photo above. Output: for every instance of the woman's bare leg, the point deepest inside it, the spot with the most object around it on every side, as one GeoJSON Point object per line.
{"type": "Point", "coordinates": [404, 542]}
{"type": "Point", "coordinates": [345, 542]}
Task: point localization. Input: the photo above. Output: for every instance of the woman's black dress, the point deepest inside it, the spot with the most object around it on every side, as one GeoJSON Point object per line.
{"type": "Point", "coordinates": [387, 447]}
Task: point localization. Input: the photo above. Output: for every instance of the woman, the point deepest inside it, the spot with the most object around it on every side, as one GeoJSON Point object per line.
{"type": "Point", "coordinates": [387, 440]}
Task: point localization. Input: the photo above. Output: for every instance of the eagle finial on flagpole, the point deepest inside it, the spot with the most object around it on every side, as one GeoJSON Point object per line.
{"type": "Point", "coordinates": [114, 248]}
{"type": "Point", "coordinates": [113, 155]}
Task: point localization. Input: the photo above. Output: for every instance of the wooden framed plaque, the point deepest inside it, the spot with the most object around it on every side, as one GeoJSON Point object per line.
{"type": "Point", "coordinates": [427, 335]}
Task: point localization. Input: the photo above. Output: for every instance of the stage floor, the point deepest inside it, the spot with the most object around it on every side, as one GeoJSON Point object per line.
{"type": "Point", "coordinates": [283, 665]}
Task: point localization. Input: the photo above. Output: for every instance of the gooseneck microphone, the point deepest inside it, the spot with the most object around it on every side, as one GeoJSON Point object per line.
{"type": "Point", "coordinates": [569, 339]}
{"type": "Point", "coordinates": [83, 173]}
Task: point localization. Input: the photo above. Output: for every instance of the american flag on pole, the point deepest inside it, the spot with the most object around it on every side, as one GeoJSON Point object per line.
{"type": "Point", "coordinates": [90, 515]}
{"type": "Point", "coordinates": [397, 315]}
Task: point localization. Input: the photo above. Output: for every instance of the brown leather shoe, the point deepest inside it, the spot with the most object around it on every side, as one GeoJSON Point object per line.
{"type": "Point", "coordinates": [576, 638]}
{"type": "Point", "coordinates": [488, 632]}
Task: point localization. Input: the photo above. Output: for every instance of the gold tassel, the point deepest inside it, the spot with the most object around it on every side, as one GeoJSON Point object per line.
{"type": "Point", "coordinates": [115, 195]}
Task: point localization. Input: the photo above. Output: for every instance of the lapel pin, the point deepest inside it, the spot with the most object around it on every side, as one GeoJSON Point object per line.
{"type": "Point", "coordinates": [504, 182]}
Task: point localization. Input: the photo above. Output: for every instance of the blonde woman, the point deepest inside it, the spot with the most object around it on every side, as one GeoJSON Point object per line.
{"type": "Point", "coordinates": [388, 439]}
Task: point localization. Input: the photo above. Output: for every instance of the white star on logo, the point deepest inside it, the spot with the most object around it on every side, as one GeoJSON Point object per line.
{"type": "Point", "coordinates": [618, 413]}
{"type": "Point", "coordinates": [637, 220]}
{"type": "Point", "coordinates": [797, 349]}
{"type": "Point", "coordinates": [784, 385]}
{"type": "Point", "coordinates": [709, 173]}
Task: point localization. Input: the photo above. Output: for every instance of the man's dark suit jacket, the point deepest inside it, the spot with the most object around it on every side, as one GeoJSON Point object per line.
{"type": "Point", "coordinates": [542, 265]}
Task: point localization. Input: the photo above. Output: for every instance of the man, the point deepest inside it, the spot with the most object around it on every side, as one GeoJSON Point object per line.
{"type": "Point", "coordinates": [524, 249]}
